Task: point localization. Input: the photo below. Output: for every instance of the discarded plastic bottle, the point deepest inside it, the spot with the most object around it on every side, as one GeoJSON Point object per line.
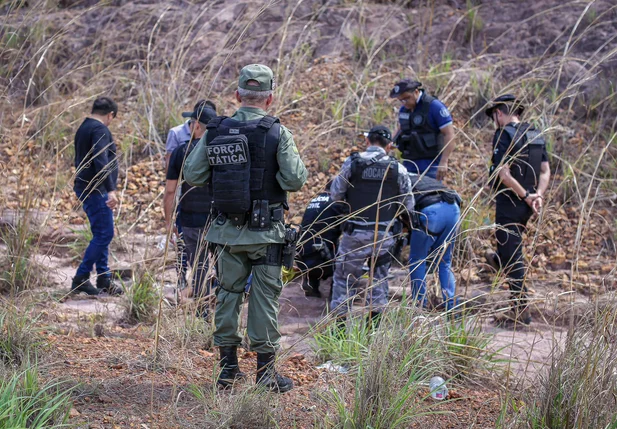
{"type": "Point", "coordinates": [439, 391]}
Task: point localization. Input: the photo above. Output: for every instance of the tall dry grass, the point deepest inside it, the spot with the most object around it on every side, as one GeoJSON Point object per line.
{"type": "Point", "coordinates": [156, 59]}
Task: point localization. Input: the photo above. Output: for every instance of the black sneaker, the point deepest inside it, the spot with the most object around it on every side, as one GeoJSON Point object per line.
{"type": "Point", "coordinates": [82, 284]}
{"type": "Point", "coordinates": [523, 316]}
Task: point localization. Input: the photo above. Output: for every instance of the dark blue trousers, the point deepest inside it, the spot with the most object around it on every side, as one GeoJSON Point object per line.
{"type": "Point", "coordinates": [102, 226]}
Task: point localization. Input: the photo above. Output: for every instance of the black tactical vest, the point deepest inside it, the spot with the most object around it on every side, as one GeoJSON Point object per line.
{"type": "Point", "coordinates": [417, 139]}
{"type": "Point", "coordinates": [195, 199]}
{"type": "Point", "coordinates": [526, 149]}
{"type": "Point", "coordinates": [322, 221]}
{"type": "Point", "coordinates": [368, 178]}
{"type": "Point", "coordinates": [428, 191]}
{"type": "Point", "coordinates": [243, 160]}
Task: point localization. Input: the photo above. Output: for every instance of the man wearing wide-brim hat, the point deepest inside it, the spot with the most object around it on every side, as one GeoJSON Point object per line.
{"type": "Point", "coordinates": [519, 175]}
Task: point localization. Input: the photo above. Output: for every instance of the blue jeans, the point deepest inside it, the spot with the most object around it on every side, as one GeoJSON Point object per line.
{"type": "Point", "coordinates": [102, 226]}
{"type": "Point", "coordinates": [441, 220]}
{"type": "Point", "coordinates": [419, 166]}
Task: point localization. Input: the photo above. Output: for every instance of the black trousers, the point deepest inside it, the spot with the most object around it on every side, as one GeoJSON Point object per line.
{"type": "Point", "coordinates": [318, 269]}
{"type": "Point", "coordinates": [512, 221]}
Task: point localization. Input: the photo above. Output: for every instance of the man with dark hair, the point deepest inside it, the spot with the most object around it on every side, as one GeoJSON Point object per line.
{"type": "Point", "coordinates": [179, 135]}
{"type": "Point", "coordinates": [322, 226]}
{"type": "Point", "coordinates": [426, 135]}
{"type": "Point", "coordinates": [521, 172]}
{"type": "Point", "coordinates": [253, 162]}
{"type": "Point", "coordinates": [377, 189]}
{"type": "Point", "coordinates": [438, 212]}
{"type": "Point", "coordinates": [95, 185]}
{"type": "Point", "coordinates": [193, 208]}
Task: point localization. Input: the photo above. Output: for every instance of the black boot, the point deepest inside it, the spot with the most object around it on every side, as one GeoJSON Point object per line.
{"type": "Point", "coordinates": [230, 371]}
{"type": "Point", "coordinates": [340, 325]}
{"type": "Point", "coordinates": [492, 259]}
{"type": "Point", "coordinates": [104, 284]}
{"type": "Point", "coordinates": [311, 287]}
{"type": "Point", "coordinates": [522, 314]}
{"type": "Point", "coordinates": [268, 377]}
{"type": "Point", "coordinates": [374, 319]}
{"type": "Point", "coordinates": [82, 284]}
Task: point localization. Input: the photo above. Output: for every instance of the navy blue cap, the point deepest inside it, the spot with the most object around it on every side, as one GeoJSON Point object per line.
{"type": "Point", "coordinates": [404, 86]}
{"type": "Point", "coordinates": [506, 99]}
{"type": "Point", "coordinates": [202, 112]}
{"type": "Point", "coordinates": [380, 130]}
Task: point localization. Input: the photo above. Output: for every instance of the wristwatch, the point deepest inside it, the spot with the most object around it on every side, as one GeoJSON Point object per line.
{"type": "Point", "coordinates": [526, 195]}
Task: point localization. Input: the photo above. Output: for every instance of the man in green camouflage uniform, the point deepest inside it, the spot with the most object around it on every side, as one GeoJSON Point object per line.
{"type": "Point", "coordinates": [251, 162]}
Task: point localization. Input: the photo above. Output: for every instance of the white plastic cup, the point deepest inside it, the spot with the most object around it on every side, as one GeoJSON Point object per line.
{"type": "Point", "coordinates": [438, 388]}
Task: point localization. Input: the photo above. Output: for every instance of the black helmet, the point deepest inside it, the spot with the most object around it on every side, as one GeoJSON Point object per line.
{"type": "Point", "coordinates": [508, 100]}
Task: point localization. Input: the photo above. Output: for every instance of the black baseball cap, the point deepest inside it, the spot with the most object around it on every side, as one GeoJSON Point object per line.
{"type": "Point", "coordinates": [404, 86]}
{"type": "Point", "coordinates": [381, 131]}
{"type": "Point", "coordinates": [506, 99]}
{"type": "Point", "coordinates": [202, 112]}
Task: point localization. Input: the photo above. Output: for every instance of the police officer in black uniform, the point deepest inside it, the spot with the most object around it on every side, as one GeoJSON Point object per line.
{"type": "Point", "coordinates": [322, 227]}
{"type": "Point", "coordinates": [520, 173]}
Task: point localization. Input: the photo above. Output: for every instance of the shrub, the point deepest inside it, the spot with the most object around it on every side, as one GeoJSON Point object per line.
{"type": "Point", "coordinates": [243, 408]}
{"type": "Point", "coordinates": [17, 270]}
{"type": "Point", "coordinates": [580, 387]}
{"type": "Point", "coordinates": [26, 403]}
{"type": "Point", "coordinates": [141, 299]}
{"type": "Point", "coordinates": [390, 376]}
{"type": "Point", "coordinates": [19, 340]}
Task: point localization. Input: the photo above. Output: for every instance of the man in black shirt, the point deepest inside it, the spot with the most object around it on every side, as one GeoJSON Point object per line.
{"type": "Point", "coordinates": [179, 135]}
{"type": "Point", "coordinates": [194, 206]}
{"type": "Point", "coordinates": [521, 173]}
{"type": "Point", "coordinates": [95, 185]}
{"type": "Point", "coordinates": [322, 227]}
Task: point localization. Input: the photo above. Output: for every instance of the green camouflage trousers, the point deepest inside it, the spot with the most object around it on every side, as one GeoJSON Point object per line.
{"type": "Point", "coordinates": [234, 267]}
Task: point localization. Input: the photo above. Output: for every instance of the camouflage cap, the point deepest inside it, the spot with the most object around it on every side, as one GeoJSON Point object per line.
{"type": "Point", "coordinates": [258, 73]}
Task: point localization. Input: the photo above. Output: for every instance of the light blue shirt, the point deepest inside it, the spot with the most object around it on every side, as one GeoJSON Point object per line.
{"type": "Point", "coordinates": [178, 135]}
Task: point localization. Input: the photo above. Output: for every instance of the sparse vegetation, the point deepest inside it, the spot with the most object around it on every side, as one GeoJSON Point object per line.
{"type": "Point", "coordinates": [246, 408]}
{"type": "Point", "coordinates": [335, 63]}
{"type": "Point", "coordinates": [579, 387]}
{"type": "Point", "coordinates": [141, 298]}
{"type": "Point", "coordinates": [27, 402]}
{"type": "Point", "coordinates": [18, 270]}
{"type": "Point", "coordinates": [19, 338]}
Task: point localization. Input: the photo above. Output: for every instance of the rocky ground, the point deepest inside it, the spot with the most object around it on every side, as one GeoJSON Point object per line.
{"type": "Point", "coordinates": [121, 385]}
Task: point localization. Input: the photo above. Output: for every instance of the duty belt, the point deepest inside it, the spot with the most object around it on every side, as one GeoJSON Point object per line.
{"type": "Point", "coordinates": [239, 219]}
{"type": "Point", "coordinates": [435, 198]}
{"type": "Point", "coordinates": [350, 227]}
